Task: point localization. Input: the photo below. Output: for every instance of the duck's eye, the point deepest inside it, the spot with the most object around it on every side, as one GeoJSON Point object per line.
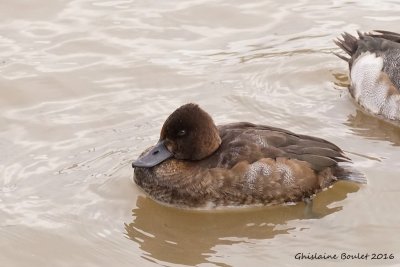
{"type": "Point", "coordinates": [181, 132]}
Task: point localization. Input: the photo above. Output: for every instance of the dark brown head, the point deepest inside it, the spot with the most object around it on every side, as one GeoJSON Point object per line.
{"type": "Point", "coordinates": [189, 133]}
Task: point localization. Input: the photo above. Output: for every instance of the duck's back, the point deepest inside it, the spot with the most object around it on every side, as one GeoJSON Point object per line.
{"type": "Point", "coordinates": [246, 141]}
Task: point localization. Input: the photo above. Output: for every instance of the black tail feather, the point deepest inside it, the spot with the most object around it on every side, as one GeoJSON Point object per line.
{"type": "Point", "coordinates": [341, 57]}
{"type": "Point", "coordinates": [348, 44]}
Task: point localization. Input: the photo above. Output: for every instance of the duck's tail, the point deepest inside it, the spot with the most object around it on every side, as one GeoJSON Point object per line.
{"type": "Point", "coordinates": [348, 44]}
{"type": "Point", "coordinates": [344, 171]}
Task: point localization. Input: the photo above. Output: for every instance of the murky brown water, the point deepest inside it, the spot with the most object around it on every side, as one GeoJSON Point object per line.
{"type": "Point", "coordinates": [85, 86]}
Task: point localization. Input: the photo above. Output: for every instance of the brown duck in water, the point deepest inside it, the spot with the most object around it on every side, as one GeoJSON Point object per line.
{"type": "Point", "coordinates": [197, 164]}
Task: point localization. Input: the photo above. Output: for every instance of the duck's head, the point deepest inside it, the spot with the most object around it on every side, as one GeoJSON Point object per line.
{"type": "Point", "coordinates": [189, 133]}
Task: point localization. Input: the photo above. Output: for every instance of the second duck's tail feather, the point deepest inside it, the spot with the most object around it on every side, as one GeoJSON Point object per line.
{"type": "Point", "coordinates": [349, 45]}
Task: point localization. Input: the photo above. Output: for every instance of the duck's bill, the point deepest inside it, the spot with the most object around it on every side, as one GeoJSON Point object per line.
{"type": "Point", "coordinates": [154, 156]}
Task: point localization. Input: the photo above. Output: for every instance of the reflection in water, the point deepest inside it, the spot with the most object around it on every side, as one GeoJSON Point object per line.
{"type": "Point", "coordinates": [188, 237]}
{"type": "Point", "coordinates": [341, 80]}
{"type": "Point", "coordinates": [364, 124]}
{"type": "Point", "coordinates": [373, 128]}
{"type": "Point", "coordinates": [85, 86]}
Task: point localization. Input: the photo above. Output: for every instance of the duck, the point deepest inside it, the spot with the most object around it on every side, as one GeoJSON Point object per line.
{"type": "Point", "coordinates": [374, 65]}
{"type": "Point", "coordinates": [196, 164]}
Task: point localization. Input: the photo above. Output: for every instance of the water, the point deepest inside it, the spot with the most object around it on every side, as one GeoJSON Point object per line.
{"type": "Point", "coordinates": [85, 86]}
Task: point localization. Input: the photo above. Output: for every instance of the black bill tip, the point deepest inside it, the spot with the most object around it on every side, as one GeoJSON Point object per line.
{"type": "Point", "coordinates": [153, 157]}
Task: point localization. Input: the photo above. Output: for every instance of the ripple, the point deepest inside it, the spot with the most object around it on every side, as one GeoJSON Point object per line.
{"type": "Point", "coordinates": [85, 86]}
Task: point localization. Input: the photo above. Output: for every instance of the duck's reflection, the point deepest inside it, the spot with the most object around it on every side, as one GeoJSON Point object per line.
{"type": "Point", "coordinates": [341, 80]}
{"type": "Point", "coordinates": [190, 237]}
{"type": "Point", "coordinates": [374, 128]}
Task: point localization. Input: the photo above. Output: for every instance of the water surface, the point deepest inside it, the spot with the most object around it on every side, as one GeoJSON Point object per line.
{"type": "Point", "coordinates": [85, 86]}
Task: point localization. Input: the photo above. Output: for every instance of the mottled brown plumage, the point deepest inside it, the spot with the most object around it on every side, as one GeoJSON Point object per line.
{"type": "Point", "coordinates": [253, 164]}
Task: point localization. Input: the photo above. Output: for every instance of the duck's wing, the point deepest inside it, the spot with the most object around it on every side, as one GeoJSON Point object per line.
{"type": "Point", "coordinates": [318, 152]}
{"type": "Point", "coordinates": [383, 44]}
{"type": "Point", "coordinates": [391, 55]}
{"type": "Point", "coordinates": [391, 36]}
{"type": "Point", "coordinates": [270, 142]}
